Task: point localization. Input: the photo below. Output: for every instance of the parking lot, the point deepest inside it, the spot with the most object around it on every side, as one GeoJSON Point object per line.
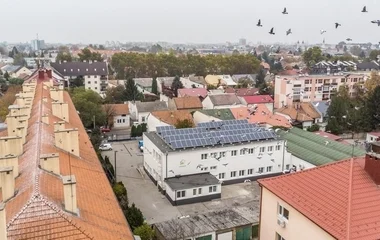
{"type": "Point", "coordinates": [154, 205]}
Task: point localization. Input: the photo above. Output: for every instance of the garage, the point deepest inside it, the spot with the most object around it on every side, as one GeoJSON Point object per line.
{"type": "Point", "coordinates": [225, 236]}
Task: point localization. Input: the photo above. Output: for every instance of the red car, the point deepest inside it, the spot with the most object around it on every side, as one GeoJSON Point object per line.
{"type": "Point", "coordinates": [105, 129]}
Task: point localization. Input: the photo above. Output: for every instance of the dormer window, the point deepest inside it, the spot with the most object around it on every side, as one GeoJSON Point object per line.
{"type": "Point", "coordinates": [64, 70]}
{"type": "Point", "coordinates": [86, 69]}
{"type": "Point", "coordinates": [95, 69]}
{"type": "Point", "coordinates": [71, 69]}
{"type": "Point", "coordinates": [78, 70]}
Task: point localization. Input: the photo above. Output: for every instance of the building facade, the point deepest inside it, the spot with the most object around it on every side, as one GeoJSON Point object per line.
{"type": "Point", "coordinates": [306, 88]}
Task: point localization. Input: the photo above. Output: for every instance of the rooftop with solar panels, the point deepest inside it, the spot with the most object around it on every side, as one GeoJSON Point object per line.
{"type": "Point", "coordinates": [212, 134]}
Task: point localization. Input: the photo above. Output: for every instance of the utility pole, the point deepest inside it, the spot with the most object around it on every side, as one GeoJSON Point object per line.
{"type": "Point", "coordinates": [115, 166]}
{"type": "Point", "coordinates": [94, 122]}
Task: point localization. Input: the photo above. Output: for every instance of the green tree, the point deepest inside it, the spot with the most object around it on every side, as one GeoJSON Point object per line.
{"type": "Point", "coordinates": [87, 55]}
{"type": "Point", "coordinates": [13, 53]}
{"type": "Point", "coordinates": [145, 232]}
{"type": "Point", "coordinates": [176, 84]}
{"type": "Point", "coordinates": [88, 104]}
{"type": "Point", "coordinates": [154, 86]}
{"type": "Point", "coordinates": [101, 47]}
{"type": "Point", "coordinates": [312, 56]}
{"type": "Point", "coordinates": [185, 123]}
{"type": "Point", "coordinates": [143, 127]}
{"type": "Point", "coordinates": [6, 75]}
{"type": "Point", "coordinates": [16, 81]}
{"type": "Point", "coordinates": [18, 59]}
{"type": "Point", "coordinates": [156, 48]}
{"type": "Point", "coordinates": [131, 93]}
{"type": "Point", "coordinates": [139, 130]}
{"type": "Point", "coordinates": [362, 54]}
{"type": "Point", "coordinates": [64, 55]}
{"type": "Point", "coordinates": [373, 54]}
{"type": "Point", "coordinates": [260, 78]}
{"type": "Point", "coordinates": [121, 195]}
{"type": "Point", "coordinates": [135, 217]}
{"type": "Point", "coordinates": [355, 50]}
{"type": "Point", "coordinates": [373, 107]}
{"type": "Point", "coordinates": [313, 128]}
{"type": "Point", "coordinates": [133, 131]}
{"type": "Point", "coordinates": [115, 95]}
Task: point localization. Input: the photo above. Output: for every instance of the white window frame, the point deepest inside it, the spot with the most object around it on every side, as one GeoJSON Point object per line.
{"type": "Point", "coordinates": [241, 173]}
{"type": "Point", "coordinates": [194, 191]}
{"type": "Point", "coordinates": [250, 171]}
{"type": "Point", "coordinates": [213, 168]}
{"type": "Point", "coordinates": [212, 189]}
{"type": "Point", "coordinates": [204, 156]}
{"type": "Point", "coordinates": [262, 149]}
{"type": "Point", "coordinates": [270, 149]}
{"type": "Point", "coordinates": [269, 169]}
{"type": "Point", "coordinates": [278, 147]}
{"type": "Point", "coordinates": [233, 153]}
{"type": "Point", "coordinates": [260, 170]}
{"type": "Point", "coordinates": [222, 175]}
{"type": "Point", "coordinates": [251, 151]}
{"type": "Point", "coordinates": [233, 174]}
{"type": "Point", "coordinates": [242, 151]}
{"type": "Point", "coordinates": [281, 212]}
{"type": "Point", "coordinates": [181, 194]}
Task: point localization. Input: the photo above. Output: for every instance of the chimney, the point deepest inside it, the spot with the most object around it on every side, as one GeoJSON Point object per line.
{"type": "Point", "coordinates": [7, 182]}
{"type": "Point", "coordinates": [3, 222]}
{"type": "Point", "coordinates": [10, 160]}
{"type": "Point", "coordinates": [56, 94]}
{"type": "Point", "coordinates": [372, 166]}
{"type": "Point", "coordinates": [13, 122]}
{"type": "Point", "coordinates": [61, 110]}
{"type": "Point", "coordinates": [41, 74]}
{"type": "Point", "coordinates": [45, 118]}
{"type": "Point", "coordinates": [21, 132]}
{"type": "Point", "coordinates": [68, 140]}
{"type": "Point", "coordinates": [50, 162]}
{"type": "Point", "coordinates": [11, 145]}
{"type": "Point", "coordinates": [15, 110]}
{"type": "Point", "coordinates": [59, 126]}
{"type": "Point", "coordinates": [49, 73]}
{"type": "Point", "coordinates": [70, 193]}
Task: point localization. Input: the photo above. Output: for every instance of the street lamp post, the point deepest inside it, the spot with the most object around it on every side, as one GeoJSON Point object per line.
{"type": "Point", "coordinates": [115, 166]}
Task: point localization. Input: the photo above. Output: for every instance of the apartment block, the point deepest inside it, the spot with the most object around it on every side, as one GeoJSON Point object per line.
{"type": "Point", "coordinates": [310, 88]}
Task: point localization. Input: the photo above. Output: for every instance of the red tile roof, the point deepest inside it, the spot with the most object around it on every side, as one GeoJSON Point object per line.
{"type": "Point", "coordinates": [340, 197]}
{"type": "Point", "coordinates": [192, 92]}
{"type": "Point", "coordinates": [377, 134]}
{"type": "Point", "coordinates": [183, 103]}
{"type": "Point", "coordinates": [36, 211]}
{"type": "Point", "coordinates": [328, 135]}
{"type": "Point", "coordinates": [258, 99]}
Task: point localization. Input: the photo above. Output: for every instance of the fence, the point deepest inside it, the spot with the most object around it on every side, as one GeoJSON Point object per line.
{"type": "Point", "coordinates": [121, 137]}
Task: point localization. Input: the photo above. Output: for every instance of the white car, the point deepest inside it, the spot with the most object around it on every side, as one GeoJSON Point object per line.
{"type": "Point", "coordinates": [105, 147]}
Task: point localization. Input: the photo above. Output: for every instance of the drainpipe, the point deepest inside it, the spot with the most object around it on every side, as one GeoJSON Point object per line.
{"type": "Point", "coordinates": [283, 155]}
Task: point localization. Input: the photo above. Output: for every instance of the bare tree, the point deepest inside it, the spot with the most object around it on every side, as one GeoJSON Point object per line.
{"type": "Point", "coordinates": [110, 111]}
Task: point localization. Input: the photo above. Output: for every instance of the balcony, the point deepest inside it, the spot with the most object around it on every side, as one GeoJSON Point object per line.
{"type": "Point", "coordinates": [103, 83]}
{"type": "Point", "coordinates": [103, 77]}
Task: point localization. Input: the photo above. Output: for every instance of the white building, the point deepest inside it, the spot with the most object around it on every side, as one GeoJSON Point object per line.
{"type": "Point", "coordinates": [37, 44]}
{"type": "Point", "coordinates": [6, 59]}
{"type": "Point", "coordinates": [93, 74]}
{"type": "Point", "coordinates": [194, 82]}
{"type": "Point", "coordinates": [372, 136]}
{"type": "Point", "coordinates": [229, 151]}
{"type": "Point", "coordinates": [225, 100]}
{"type": "Point", "coordinates": [140, 111]}
{"type": "Point", "coordinates": [118, 115]}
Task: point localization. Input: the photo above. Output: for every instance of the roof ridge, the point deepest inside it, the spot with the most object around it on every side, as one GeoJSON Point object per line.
{"type": "Point", "coordinates": [350, 186]}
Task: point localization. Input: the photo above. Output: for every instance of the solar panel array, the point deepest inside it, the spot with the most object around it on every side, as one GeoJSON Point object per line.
{"type": "Point", "coordinates": [214, 133]}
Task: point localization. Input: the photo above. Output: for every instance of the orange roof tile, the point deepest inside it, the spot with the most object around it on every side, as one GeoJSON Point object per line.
{"type": "Point", "coordinates": [262, 115]}
{"type": "Point", "coordinates": [300, 112]}
{"type": "Point", "coordinates": [188, 102]}
{"type": "Point", "coordinates": [117, 109]}
{"type": "Point", "coordinates": [36, 211]}
{"type": "Point", "coordinates": [339, 197]}
{"type": "Point", "coordinates": [172, 117]}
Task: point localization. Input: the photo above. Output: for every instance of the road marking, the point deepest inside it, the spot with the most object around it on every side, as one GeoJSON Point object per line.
{"type": "Point", "coordinates": [127, 150]}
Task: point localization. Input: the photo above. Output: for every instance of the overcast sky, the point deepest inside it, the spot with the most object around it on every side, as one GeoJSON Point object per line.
{"type": "Point", "coordinates": [187, 21]}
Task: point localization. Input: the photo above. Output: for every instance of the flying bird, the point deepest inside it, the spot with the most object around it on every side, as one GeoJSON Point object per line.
{"type": "Point", "coordinates": [218, 158]}
{"type": "Point", "coordinates": [344, 116]}
{"type": "Point", "coordinates": [357, 108]}
{"type": "Point", "coordinates": [289, 32]}
{"type": "Point", "coordinates": [364, 9]}
{"type": "Point", "coordinates": [285, 12]}
{"type": "Point", "coordinates": [271, 31]}
{"type": "Point", "coordinates": [337, 25]}
{"type": "Point", "coordinates": [323, 31]}
{"type": "Point", "coordinates": [326, 143]}
{"type": "Point", "coordinates": [317, 104]}
{"type": "Point", "coordinates": [349, 39]}
{"type": "Point", "coordinates": [225, 164]}
{"type": "Point", "coordinates": [171, 171]}
{"type": "Point", "coordinates": [199, 166]}
{"type": "Point", "coordinates": [376, 21]}
{"type": "Point", "coordinates": [259, 23]}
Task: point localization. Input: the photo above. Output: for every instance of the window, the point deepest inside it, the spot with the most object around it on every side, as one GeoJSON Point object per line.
{"type": "Point", "coordinates": [241, 172]}
{"type": "Point", "coordinates": [86, 69]}
{"type": "Point", "coordinates": [123, 120]}
{"type": "Point", "coordinates": [194, 191]}
{"type": "Point", "coordinates": [233, 153]}
{"type": "Point", "coordinates": [212, 189]}
{"type": "Point", "coordinates": [251, 150]}
{"type": "Point", "coordinates": [96, 82]}
{"type": "Point", "coordinates": [95, 76]}
{"type": "Point", "coordinates": [262, 149]}
{"type": "Point", "coordinates": [89, 82]}
{"type": "Point", "coordinates": [222, 154]}
{"type": "Point", "coordinates": [279, 237]}
{"type": "Point", "coordinates": [96, 87]}
{"type": "Point", "coordinates": [142, 119]}
{"type": "Point", "coordinates": [181, 194]}
{"type": "Point", "coordinates": [270, 148]}
{"type": "Point", "coordinates": [320, 80]}
{"type": "Point", "coordinates": [342, 80]}
{"type": "Point", "coordinates": [222, 175]}
{"type": "Point", "coordinates": [261, 170]}
{"type": "Point", "coordinates": [233, 174]}
{"type": "Point", "coordinates": [204, 169]}
{"type": "Point", "coordinates": [242, 151]}
{"type": "Point", "coordinates": [355, 80]}
{"type": "Point", "coordinates": [287, 166]}
{"type": "Point", "coordinates": [214, 155]}
{"type": "Point", "coordinates": [269, 169]}
{"type": "Point", "coordinates": [213, 168]}
{"type": "Point", "coordinates": [283, 212]}
{"type": "Point", "coordinates": [250, 171]}
{"type": "Point", "coordinates": [319, 89]}
{"type": "Point", "coordinates": [204, 156]}
{"type": "Point", "coordinates": [307, 81]}
{"type": "Point", "coordinates": [278, 147]}
{"type": "Point", "coordinates": [199, 190]}
{"type": "Point", "coordinates": [89, 76]}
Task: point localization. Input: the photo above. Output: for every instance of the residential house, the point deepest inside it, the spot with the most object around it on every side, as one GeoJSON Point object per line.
{"type": "Point", "coordinates": [241, 92]}
{"type": "Point", "coordinates": [302, 114]}
{"type": "Point", "coordinates": [311, 88]}
{"type": "Point", "coordinates": [144, 84]}
{"type": "Point", "coordinates": [53, 185]}
{"type": "Point", "coordinates": [194, 82]}
{"type": "Point", "coordinates": [249, 77]}
{"type": "Point", "coordinates": [238, 223]}
{"type": "Point", "coordinates": [225, 100]}
{"type": "Point", "coordinates": [322, 107]}
{"type": "Point", "coordinates": [163, 82]}
{"type": "Point", "coordinates": [93, 74]}
{"type": "Point", "coordinates": [328, 67]}
{"type": "Point", "coordinates": [261, 115]}
{"type": "Point", "coordinates": [118, 115]}
{"type": "Point", "coordinates": [259, 99]}
{"type": "Point", "coordinates": [216, 91]}
{"type": "Point", "coordinates": [15, 71]}
{"type": "Point", "coordinates": [335, 201]}
{"type": "Point", "coordinates": [32, 63]}
{"type": "Point", "coordinates": [211, 115]}
{"type": "Point", "coordinates": [139, 111]}
{"type": "Point", "coordinates": [373, 137]}
{"type": "Point", "coordinates": [201, 93]}
{"type": "Point", "coordinates": [175, 156]}
{"type": "Point", "coordinates": [185, 103]}
{"type": "Point", "coordinates": [213, 80]}
{"type": "Point", "coordinates": [368, 66]}
{"type": "Point", "coordinates": [167, 118]}
{"type": "Point", "coordinates": [226, 80]}
{"type": "Point", "coordinates": [266, 67]}
{"type": "Point", "coordinates": [6, 60]}
{"type": "Point", "coordinates": [310, 150]}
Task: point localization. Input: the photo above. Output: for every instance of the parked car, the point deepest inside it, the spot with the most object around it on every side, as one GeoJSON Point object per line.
{"type": "Point", "coordinates": [105, 147]}
{"type": "Point", "coordinates": [105, 129]}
